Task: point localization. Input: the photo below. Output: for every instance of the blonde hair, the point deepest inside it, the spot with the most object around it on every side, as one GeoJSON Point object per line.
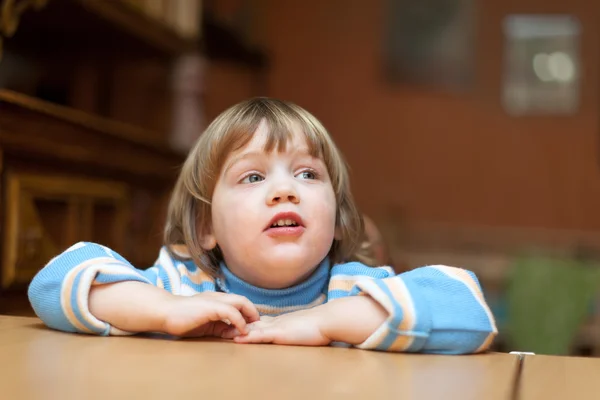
{"type": "Point", "coordinates": [189, 214]}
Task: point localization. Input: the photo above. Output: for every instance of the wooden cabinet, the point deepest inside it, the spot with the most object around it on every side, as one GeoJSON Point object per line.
{"type": "Point", "coordinates": [85, 118]}
{"type": "Point", "coordinates": [45, 213]}
{"type": "Point", "coordinates": [69, 176]}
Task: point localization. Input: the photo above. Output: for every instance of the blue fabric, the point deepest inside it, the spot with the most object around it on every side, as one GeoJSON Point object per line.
{"type": "Point", "coordinates": [434, 309]}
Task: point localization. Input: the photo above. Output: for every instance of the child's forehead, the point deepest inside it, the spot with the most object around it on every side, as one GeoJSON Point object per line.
{"type": "Point", "coordinates": [262, 137]}
{"type": "Point", "coordinates": [289, 139]}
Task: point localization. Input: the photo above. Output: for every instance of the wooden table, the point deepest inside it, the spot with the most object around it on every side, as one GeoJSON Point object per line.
{"type": "Point", "coordinates": [552, 377]}
{"type": "Point", "coordinates": [38, 363]}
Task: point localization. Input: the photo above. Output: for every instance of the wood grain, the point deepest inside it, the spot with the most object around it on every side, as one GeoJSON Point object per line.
{"type": "Point", "coordinates": [553, 377]}
{"type": "Point", "coordinates": [49, 364]}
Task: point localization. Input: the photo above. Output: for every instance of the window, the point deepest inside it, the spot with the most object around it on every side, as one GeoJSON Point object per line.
{"type": "Point", "coordinates": [541, 71]}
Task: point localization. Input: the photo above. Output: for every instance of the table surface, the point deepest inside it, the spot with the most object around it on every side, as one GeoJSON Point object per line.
{"type": "Point", "coordinates": [39, 363]}
{"type": "Point", "coordinates": [553, 377]}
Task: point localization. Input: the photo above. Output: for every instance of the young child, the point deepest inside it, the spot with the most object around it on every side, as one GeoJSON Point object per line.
{"type": "Point", "coordinates": [263, 245]}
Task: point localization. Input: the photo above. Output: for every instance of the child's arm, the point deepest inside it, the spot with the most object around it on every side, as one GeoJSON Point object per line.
{"type": "Point", "coordinates": [434, 309]}
{"type": "Point", "coordinates": [91, 289]}
{"type": "Point", "coordinates": [139, 307]}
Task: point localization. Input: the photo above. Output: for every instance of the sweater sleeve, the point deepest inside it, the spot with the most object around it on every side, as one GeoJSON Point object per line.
{"type": "Point", "coordinates": [59, 292]}
{"type": "Point", "coordinates": [434, 309]}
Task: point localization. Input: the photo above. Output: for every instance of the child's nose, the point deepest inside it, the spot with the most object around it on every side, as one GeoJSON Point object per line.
{"type": "Point", "coordinates": [282, 194]}
{"type": "Point", "coordinates": [290, 198]}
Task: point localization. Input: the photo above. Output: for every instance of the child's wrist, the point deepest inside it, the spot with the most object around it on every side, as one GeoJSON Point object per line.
{"type": "Point", "coordinates": [164, 308]}
{"type": "Point", "coordinates": [352, 319]}
{"type": "Point", "coordinates": [130, 305]}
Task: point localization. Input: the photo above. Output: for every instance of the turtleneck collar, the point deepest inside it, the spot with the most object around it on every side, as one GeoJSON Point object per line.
{"type": "Point", "coordinates": [302, 294]}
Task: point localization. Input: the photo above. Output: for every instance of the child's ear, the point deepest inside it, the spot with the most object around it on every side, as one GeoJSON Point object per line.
{"type": "Point", "coordinates": [206, 238]}
{"type": "Point", "coordinates": [208, 241]}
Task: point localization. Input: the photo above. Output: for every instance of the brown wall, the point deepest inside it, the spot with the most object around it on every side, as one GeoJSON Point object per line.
{"type": "Point", "coordinates": [228, 84]}
{"type": "Point", "coordinates": [441, 157]}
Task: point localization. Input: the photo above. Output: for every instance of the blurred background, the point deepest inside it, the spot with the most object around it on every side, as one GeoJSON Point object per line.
{"type": "Point", "coordinates": [471, 129]}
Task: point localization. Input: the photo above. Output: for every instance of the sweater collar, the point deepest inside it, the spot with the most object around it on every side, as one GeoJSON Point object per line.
{"type": "Point", "coordinates": [303, 293]}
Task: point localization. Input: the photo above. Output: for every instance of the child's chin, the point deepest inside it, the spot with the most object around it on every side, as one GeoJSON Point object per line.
{"type": "Point", "coordinates": [289, 254]}
{"type": "Point", "coordinates": [287, 261]}
{"type": "Point", "coordinates": [286, 273]}
{"type": "Point", "coordinates": [292, 257]}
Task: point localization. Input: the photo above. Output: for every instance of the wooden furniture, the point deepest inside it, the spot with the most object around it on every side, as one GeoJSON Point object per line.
{"type": "Point", "coordinates": [169, 27]}
{"type": "Point", "coordinates": [49, 364]}
{"type": "Point", "coordinates": [45, 213]}
{"type": "Point", "coordinates": [69, 176]}
{"type": "Point", "coordinates": [550, 377]}
{"type": "Point", "coordinates": [85, 122]}
{"type": "Point", "coordinates": [110, 58]}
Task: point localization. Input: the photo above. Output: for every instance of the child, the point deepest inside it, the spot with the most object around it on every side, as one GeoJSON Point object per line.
{"type": "Point", "coordinates": [262, 245]}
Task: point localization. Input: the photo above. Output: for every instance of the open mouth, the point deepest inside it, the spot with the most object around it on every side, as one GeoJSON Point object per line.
{"type": "Point", "coordinates": [285, 220]}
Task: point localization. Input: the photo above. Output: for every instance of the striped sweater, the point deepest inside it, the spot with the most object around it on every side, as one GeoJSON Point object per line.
{"type": "Point", "coordinates": [433, 309]}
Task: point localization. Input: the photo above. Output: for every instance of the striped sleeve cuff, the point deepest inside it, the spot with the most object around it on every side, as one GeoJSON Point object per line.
{"type": "Point", "coordinates": [76, 287]}
{"type": "Point", "coordinates": [478, 324]}
{"type": "Point", "coordinates": [434, 309]}
{"type": "Point", "coordinates": [408, 325]}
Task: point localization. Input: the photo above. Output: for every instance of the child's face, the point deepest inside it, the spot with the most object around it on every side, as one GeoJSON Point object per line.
{"type": "Point", "coordinates": [257, 189]}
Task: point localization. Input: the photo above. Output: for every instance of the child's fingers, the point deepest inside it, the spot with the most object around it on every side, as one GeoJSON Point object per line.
{"type": "Point", "coordinates": [257, 334]}
{"type": "Point", "coordinates": [226, 312]}
{"type": "Point", "coordinates": [247, 308]}
{"type": "Point", "coordinates": [223, 330]}
{"type": "Point", "coordinates": [229, 333]}
{"type": "Point", "coordinates": [214, 329]}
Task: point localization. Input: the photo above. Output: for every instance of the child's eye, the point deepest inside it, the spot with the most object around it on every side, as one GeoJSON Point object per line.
{"type": "Point", "coordinates": [252, 178]}
{"type": "Point", "coordinates": [307, 175]}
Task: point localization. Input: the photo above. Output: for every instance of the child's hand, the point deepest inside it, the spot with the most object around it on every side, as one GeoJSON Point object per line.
{"type": "Point", "coordinates": [296, 328]}
{"type": "Point", "coordinates": [350, 320]}
{"type": "Point", "coordinates": [206, 314]}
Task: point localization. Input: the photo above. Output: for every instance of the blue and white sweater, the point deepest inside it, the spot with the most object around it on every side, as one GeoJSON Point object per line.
{"type": "Point", "coordinates": [434, 309]}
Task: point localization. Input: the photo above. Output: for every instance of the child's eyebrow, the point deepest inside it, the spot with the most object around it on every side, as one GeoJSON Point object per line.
{"type": "Point", "coordinates": [240, 157]}
{"type": "Point", "coordinates": [300, 151]}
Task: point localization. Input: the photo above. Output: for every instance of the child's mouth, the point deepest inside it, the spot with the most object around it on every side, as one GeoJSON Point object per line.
{"type": "Point", "coordinates": [284, 223]}
{"type": "Point", "coordinates": [285, 227]}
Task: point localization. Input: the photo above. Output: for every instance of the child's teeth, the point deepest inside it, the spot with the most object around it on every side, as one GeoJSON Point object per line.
{"type": "Point", "coordinates": [284, 222]}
